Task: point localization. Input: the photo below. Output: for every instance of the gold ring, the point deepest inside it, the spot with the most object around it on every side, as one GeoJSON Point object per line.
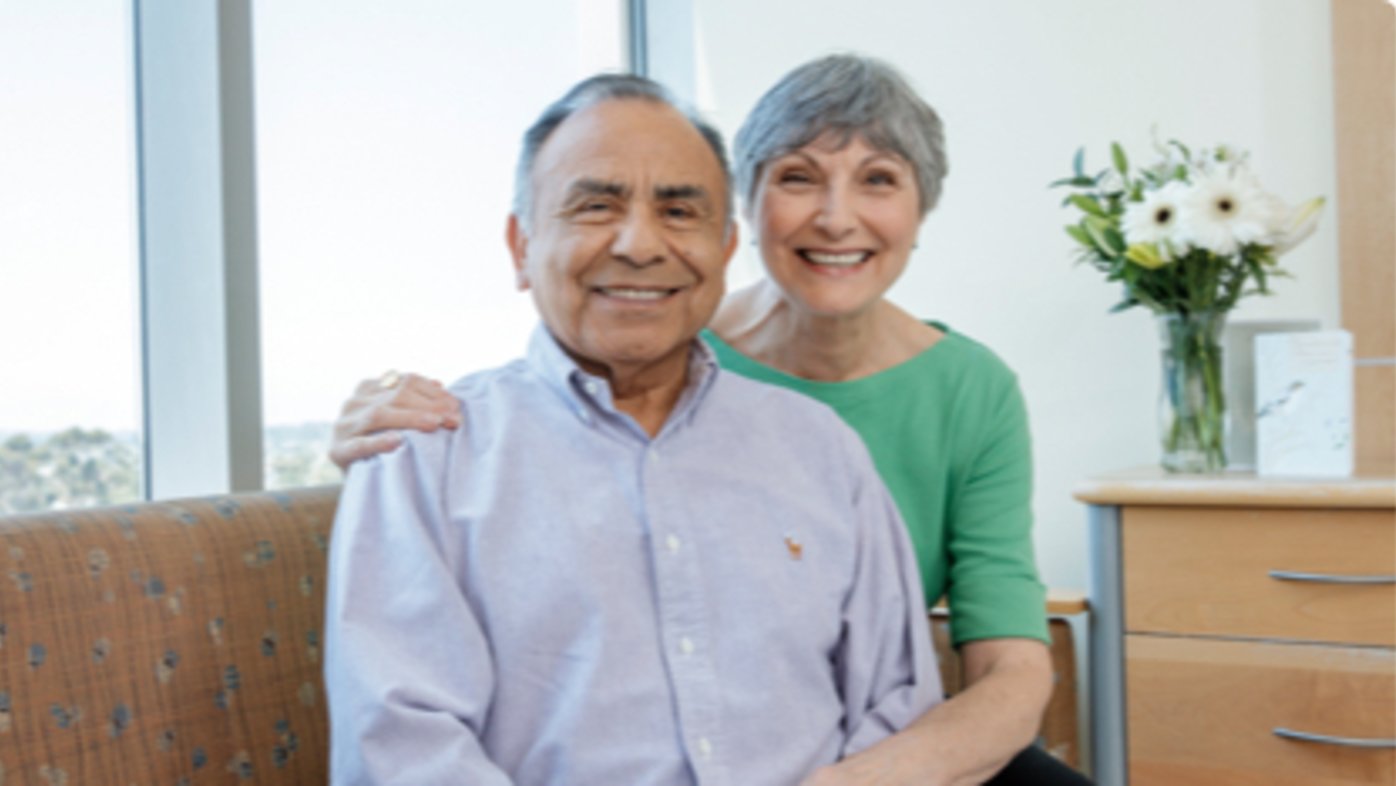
{"type": "Point", "coordinates": [389, 380]}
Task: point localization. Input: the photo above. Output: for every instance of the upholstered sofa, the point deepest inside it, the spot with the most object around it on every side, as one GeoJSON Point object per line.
{"type": "Point", "coordinates": [179, 643]}
{"type": "Point", "coordinates": [165, 643]}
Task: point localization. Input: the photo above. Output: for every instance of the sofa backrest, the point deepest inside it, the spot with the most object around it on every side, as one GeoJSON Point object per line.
{"type": "Point", "coordinates": [165, 643]}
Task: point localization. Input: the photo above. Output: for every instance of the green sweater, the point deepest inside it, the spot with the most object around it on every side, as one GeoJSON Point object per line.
{"type": "Point", "coordinates": [948, 431]}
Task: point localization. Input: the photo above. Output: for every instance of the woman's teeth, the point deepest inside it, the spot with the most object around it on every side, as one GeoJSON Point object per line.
{"type": "Point", "coordinates": [847, 259]}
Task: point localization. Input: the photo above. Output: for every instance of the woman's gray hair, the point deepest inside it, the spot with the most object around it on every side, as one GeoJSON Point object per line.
{"type": "Point", "coordinates": [847, 96]}
{"type": "Point", "coordinates": [588, 93]}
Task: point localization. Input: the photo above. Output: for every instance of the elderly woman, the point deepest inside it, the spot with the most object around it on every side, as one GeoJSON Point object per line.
{"type": "Point", "coordinates": [837, 166]}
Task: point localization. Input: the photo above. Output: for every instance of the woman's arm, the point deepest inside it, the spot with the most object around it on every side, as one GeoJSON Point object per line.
{"type": "Point", "coordinates": [971, 736]}
{"type": "Point", "coordinates": [997, 611]}
{"type": "Point", "coordinates": [369, 420]}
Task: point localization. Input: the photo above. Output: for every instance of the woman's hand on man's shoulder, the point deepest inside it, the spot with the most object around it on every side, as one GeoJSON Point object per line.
{"type": "Point", "coordinates": [371, 420]}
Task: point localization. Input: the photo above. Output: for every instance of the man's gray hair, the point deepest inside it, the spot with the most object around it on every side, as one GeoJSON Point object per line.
{"type": "Point", "coordinates": [846, 96]}
{"type": "Point", "coordinates": [588, 93]}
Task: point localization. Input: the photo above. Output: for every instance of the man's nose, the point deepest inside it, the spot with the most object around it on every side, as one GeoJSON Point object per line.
{"type": "Point", "coordinates": [639, 239]}
{"type": "Point", "coordinates": [835, 218]}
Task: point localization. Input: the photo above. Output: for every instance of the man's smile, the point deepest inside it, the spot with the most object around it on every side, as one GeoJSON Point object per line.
{"type": "Point", "coordinates": [633, 294]}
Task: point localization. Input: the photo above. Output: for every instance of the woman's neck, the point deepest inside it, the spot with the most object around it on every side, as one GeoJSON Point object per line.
{"type": "Point", "coordinates": [760, 323]}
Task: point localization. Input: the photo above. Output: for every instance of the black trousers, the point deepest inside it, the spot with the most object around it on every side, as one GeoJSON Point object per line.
{"type": "Point", "coordinates": [1034, 767]}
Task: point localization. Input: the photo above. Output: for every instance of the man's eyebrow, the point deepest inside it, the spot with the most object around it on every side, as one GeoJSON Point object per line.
{"type": "Point", "coordinates": [680, 192]}
{"type": "Point", "coordinates": [591, 187]}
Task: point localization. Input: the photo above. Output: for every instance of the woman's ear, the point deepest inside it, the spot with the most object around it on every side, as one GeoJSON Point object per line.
{"type": "Point", "coordinates": [517, 238]}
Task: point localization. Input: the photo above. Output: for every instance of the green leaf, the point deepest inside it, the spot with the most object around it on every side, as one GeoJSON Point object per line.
{"type": "Point", "coordinates": [1101, 223]}
{"type": "Point", "coordinates": [1097, 233]}
{"type": "Point", "coordinates": [1078, 182]}
{"type": "Point", "coordinates": [1259, 273]}
{"type": "Point", "coordinates": [1144, 299]}
{"type": "Point", "coordinates": [1078, 164]}
{"type": "Point", "coordinates": [1118, 154]}
{"type": "Point", "coordinates": [1088, 204]}
{"type": "Point", "coordinates": [1115, 239]}
{"type": "Point", "coordinates": [1079, 235]}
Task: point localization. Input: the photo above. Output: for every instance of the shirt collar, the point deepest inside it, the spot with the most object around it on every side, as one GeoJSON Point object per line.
{"type": "Point", "coordinates": [589, 395]}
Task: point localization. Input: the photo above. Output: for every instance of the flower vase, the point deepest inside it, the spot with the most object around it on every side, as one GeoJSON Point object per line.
{"type": "Point", "coordinates": [1192, 404]}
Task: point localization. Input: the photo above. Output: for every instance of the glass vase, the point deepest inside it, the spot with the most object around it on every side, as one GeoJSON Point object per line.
{"type": "Point", "coordinates": [1192, 404]}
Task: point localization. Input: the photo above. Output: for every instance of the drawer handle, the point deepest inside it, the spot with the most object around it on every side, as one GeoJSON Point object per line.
{"type": "Point", "coordinates": [1329, 578]}
{"type": "Point", "coordinates": [1345, 742]}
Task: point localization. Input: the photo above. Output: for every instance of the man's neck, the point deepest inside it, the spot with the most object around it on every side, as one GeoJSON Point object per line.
{"type": "Point", "coordinates": [646, 392]}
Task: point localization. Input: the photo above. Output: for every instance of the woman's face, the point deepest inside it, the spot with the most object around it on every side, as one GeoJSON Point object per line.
{"type": "Point", "coordinates": [836, 225]}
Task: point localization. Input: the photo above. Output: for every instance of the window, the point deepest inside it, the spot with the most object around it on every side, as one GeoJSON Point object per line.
{"type": "Point", "coordinates": [386, 140]}
{"type": "Point", "coordinates": [70, 405]}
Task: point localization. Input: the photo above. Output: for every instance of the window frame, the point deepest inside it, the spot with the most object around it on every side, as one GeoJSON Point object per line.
{"type": "Point", "coordinates": [197, 249]}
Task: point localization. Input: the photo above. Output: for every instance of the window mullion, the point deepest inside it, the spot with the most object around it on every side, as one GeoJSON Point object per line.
{"type": "Point", "coordinates": [198, 247]}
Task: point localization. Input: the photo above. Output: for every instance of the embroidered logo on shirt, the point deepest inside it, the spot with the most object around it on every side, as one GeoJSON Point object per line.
{"type": "Point", "coordinates": [795, 547]}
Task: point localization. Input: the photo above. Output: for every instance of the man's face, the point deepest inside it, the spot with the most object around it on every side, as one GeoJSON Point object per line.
{"type": "Point", "coordinates": [627, 243]}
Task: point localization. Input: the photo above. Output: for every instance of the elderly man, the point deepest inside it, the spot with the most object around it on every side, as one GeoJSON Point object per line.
{"type": "Point", "coordinates": [629, 567]}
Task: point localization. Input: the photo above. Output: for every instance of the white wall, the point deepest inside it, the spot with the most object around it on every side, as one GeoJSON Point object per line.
{"type": "Point", "coordinates": [1020, 85]}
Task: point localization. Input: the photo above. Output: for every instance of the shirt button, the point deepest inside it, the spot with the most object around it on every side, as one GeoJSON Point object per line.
{"type": "Point", "coordinates": [654, 456]}
{"type": "Point", "coordinates": [672, 544]}
{"type": "Point", "coordinates": [705, 748]}
{"type": "Point", "coordinates": [590, 386]}
{"type": "Point", "coordinates": [686, 645]}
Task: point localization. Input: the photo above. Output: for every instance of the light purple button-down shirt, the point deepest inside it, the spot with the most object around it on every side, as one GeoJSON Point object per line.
{"type": "Point", "coordinates": [549, 596]}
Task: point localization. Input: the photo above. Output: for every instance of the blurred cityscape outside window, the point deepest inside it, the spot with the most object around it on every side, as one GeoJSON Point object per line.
{"type": "Point", "coordinates": [70, 403]}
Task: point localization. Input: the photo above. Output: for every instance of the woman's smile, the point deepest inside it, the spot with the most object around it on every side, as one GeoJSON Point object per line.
{"type": "Point", "coordinates": [836, 221]}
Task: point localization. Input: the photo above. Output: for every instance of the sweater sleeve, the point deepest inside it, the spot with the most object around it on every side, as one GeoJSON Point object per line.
{"type": "Point", "coordinates": [994, 591]}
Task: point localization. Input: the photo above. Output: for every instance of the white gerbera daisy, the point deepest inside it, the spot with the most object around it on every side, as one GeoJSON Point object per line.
{"type": "Point", "coordinates": [1155, 220]}
{"type": "Point", "coordinates": [1226, 210]}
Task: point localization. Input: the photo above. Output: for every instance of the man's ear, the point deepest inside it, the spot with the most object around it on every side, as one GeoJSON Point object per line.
{"type": "Point", "coordinates": [517, 239]}
{"type": "Point", "coordinates": [730, 246]}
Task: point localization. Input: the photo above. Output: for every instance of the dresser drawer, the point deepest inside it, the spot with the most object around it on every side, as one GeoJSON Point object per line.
{"type": "Point", "coordinates": [1197, 570]}
{"type": "Point", "coordinates": [1202, 712]}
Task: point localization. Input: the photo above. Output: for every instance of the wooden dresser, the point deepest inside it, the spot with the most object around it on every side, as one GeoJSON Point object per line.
{"type": "Point", "coordinates": [1244, 630]}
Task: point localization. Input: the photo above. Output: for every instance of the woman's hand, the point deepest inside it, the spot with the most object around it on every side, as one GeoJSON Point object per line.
{"type": "Point", "coordinates": [856, 770]}
{"type": "Point", "coordinates": [369, 421]}
{"type": "Point", "coordinates": [969, 737]}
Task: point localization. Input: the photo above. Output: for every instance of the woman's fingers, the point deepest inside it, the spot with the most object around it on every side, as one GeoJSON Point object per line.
{"type": "Point", "coordinates": [386, 417]}
{"type": "Point", "coordinates": [368, 421]}
{"type": "Point", "coordinates": [416, 392]}
{"type": "Point", "coordinates": [346, 452]}
{"type": "Point", "coordinates": [361, 413]}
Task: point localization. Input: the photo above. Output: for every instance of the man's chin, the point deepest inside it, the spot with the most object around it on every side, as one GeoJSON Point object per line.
{"type": "Point", "coordinates": [622, 357]}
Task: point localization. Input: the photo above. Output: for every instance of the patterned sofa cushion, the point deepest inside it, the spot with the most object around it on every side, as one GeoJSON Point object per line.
{"type": "Point", "coordinates": [171, 643]}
